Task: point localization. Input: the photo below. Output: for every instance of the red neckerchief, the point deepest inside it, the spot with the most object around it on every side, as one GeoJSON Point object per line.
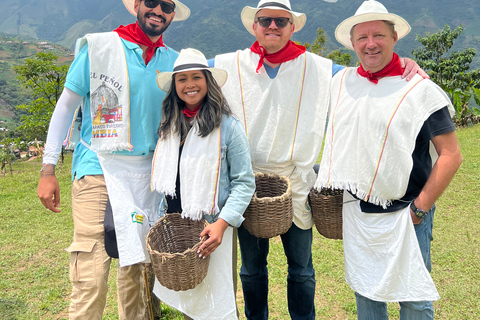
{"type": "Point", "coordinates": [393, 68]}
{"type": "Point", "coordinates": [190, 113]}
{"type": "Point", "coordinates": [289, 52]}
{"type": "Point", "coordinates": [135, 34]}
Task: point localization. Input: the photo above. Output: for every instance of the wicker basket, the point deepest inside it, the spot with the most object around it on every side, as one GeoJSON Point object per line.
{"type": "Point", "coordinates": [327, 211]}
{"type": "Point", "coordinates": [270, 213]}
{"type": "Point", "coordinates": [173, 243]}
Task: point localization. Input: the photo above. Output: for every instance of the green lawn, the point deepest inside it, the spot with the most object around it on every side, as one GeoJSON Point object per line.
{"type": "Point", "coordinates": [34, 267]}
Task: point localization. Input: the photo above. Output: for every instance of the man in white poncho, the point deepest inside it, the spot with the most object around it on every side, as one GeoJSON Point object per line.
{"type": "Point", "coordinates": [280, 93]}
{"type": "Point", "coordinates": [377, 149]}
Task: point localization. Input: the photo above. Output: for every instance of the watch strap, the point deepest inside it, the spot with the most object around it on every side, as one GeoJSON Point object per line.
{"type": "Point", "coordinates": [419, 213]}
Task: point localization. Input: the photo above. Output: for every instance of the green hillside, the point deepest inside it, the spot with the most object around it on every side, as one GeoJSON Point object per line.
{"type": "Point", "coordinates": [214, 26]}
{"type": "Point", "coordinates": [13, 51]}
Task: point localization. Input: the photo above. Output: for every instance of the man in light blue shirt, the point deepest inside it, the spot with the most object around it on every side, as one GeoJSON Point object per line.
{"type": "Point", "coordinates": [145, 54]}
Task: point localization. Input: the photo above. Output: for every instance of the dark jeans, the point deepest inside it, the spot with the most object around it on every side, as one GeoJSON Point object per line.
{"type": "Point", "coordinates": [297, 245]}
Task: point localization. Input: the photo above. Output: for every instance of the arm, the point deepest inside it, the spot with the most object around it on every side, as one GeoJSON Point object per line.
{"type": "Point", "coordinates": [242, 182]}
{"type": "Point", "coordinates": [449, 160]}
{"type": "Point", "coordinates": [411, 69]}
{"type": "Point", "coordinates": [48, 189]}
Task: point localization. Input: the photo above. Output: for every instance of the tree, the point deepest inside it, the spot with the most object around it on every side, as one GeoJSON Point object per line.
{"type": "Point", "coordinates": [340, 58]}
{"type": "Point", "coordinates": [319, 48]}
{"type": "Point", "coordinates": [8, 153]}
{"type": "Point", "coordinates": [450, 70]}
{"type": "Point", "coordinates": [45, 77]}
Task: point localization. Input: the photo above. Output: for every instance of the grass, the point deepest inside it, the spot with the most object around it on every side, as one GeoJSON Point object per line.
{"type": "Point", "coordinates": [34, 280]}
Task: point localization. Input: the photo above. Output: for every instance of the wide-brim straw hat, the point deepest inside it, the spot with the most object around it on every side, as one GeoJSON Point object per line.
{"type": "Point", "coordinates": [248, 13]}
{"type": "Point", "coordinates": [370, 10]}
{"type": "Point", "coordinates": [181, 11]}
{"type": "Point", "coordinates": [190, 60]}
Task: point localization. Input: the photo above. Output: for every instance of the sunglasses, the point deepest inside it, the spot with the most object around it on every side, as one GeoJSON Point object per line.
{"type": "Point", "coordinates": [167, 7]}
{"type": "Point", "coordinates": [280, 22]}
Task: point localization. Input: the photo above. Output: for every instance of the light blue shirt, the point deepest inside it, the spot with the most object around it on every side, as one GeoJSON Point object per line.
{"type": "Point", "coordinates": [145, 103]}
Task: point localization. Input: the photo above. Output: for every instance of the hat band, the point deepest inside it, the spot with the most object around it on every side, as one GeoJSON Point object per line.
{"type": "Point", "coordinates": [189, 66]}
{"type": "Point", "coordinates": [275, 4]}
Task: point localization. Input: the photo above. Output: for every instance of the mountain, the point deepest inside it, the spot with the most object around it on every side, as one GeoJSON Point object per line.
{"type": "Point", "coordinates": [215, 26]}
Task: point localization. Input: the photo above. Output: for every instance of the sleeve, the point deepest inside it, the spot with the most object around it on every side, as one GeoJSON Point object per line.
{"type": "Point", "coordinates": [78, 77]}
{"type": "Point", "coordinates": [77, 85]}
{"type": "Point", "coordinates": [211, 63]}
{"type": "Point", "coordinates": [437, 123]}
{"type": "Point", "coordinates": [336, 68]}
{"type": "Point", "coordinates": [242, 179]}
{"type": "Point", "coordinates": [60, 124]}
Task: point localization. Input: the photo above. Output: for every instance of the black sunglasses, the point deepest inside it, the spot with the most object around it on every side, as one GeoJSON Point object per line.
{"type": "Point", "coordinates": [280, 22]}
{"type": "Point", "coordinates": [167, 7]}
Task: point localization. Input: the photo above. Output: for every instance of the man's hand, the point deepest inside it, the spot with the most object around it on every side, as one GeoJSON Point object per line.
{"type": "Point", "coordinates": [411, 69]}
{"type": "Point", "coordinates": [415, 219]}
{"type": "Point", "coordinates": [48, 189]}
{"type": "Point", "coordinates": [215, 233]}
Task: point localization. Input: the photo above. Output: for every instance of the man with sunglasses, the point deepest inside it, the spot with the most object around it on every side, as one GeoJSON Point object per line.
{"type": "Point", "coordinates": [280, 92]}
{"type": "Point", "coordinates": [113, 76]}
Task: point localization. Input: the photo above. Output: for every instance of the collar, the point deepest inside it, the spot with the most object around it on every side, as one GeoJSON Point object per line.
{"type": "Point", "coordinates": [133, 46]}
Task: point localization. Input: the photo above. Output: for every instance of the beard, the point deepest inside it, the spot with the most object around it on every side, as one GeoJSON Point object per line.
{"type": "Point", "coordinates": [152, 31]}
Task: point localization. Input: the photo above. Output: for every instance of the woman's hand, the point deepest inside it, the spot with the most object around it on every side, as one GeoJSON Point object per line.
{"type": "Point", "coordinates": [215, 233]}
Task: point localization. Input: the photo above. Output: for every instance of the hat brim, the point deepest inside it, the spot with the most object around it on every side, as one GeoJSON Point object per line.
{"type": "Point", "coordinates": [248, 17]}
{"type": "Point", "coordinates": [181, 11]}
{"type": "Point", "coordinates": [342, 32]}
{"type": "Point", "coordinates": [164, 79]}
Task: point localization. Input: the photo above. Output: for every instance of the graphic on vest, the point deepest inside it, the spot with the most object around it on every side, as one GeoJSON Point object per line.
{"type": "Point", "coordinates": [107, 115]}
{"type": "Point", "coordinates": [307, 206]}
{"type": "Point", "coordinates": [137, 218]}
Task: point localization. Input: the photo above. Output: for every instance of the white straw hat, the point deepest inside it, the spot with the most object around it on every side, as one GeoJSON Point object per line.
{"type": "Point", "coordinates": [181, 11]}
{"type": "Point", "coordinates": [189, 60]}
{"type": "Point", "coordinates": [370, 10]}
{"type": "Point", "coordinates": [248, 13]}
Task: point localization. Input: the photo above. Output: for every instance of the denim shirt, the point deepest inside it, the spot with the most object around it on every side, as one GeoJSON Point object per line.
{"type": "Point", "coordinates": [237, 181]}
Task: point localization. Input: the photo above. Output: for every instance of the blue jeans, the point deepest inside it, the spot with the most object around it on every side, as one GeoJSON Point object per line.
{"type": "Point", "coordinates": [297, 245]}
{"type": "Point", "coordinates": [409, 310]}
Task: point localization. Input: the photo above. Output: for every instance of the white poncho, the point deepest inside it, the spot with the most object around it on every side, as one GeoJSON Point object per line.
{"type": "Point", "coordinates": [284, 117]}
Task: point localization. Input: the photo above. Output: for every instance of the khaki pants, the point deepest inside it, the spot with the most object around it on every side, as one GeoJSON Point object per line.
{"type": "Point", "coordinates": [89, 262]}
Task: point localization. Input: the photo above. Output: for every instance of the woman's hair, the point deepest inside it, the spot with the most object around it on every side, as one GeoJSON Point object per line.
{"type": "Point", "coordinates": [208, 117]}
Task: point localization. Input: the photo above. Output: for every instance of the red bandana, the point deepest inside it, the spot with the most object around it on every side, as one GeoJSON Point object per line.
{"type": "Point", "coordinates": [190, 113]}
{"type": "Point", "coordinates": [135, 34]}
{"type": "Point", "coordinates": [289, 52]}
{"type": "Point", "coordinates": [393, 68]}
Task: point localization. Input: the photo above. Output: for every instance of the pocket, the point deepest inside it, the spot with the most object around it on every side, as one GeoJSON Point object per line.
{"type": "Point", "coordinates": [82, 261]}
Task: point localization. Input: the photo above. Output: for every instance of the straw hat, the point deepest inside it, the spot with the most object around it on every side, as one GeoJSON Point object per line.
{"type": "Point", "coordinates": [248, 13]}
{"type": "Point", "coordinates": [181, 11]}
{"type": "Point", "coordinates": [370, 10]}
{"type": "Point", "coordinates": [189, 60]}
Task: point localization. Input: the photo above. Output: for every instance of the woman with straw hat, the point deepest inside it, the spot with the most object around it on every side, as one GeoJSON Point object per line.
{"type": "Point", "coordinates": [202, 165]}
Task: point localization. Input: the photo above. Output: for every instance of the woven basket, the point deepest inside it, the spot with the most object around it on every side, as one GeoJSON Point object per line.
{"type": "Point", "coordinates": [327, 211]}
{"type": "Point", "coordinates": [173, 243]}
{"type": "Point", "coordinates": [270, 213]}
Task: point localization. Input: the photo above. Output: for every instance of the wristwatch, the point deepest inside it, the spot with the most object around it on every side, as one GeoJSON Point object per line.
{"type": "Point", "coordinates": [419, 213]}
